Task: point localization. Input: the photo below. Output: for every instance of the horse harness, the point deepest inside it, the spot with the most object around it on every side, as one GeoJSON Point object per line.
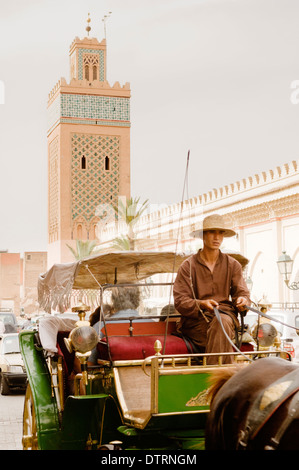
{"type": "Point", "coordinates": [266, 404]}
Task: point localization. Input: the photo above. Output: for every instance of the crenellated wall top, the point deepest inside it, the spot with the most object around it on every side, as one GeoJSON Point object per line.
{"type": "Point", "coordinates": [92, 42]}
{"type": "Point", "coordinates": [273, 180]}
{"type": "Point", "coordinates": [84, 86]}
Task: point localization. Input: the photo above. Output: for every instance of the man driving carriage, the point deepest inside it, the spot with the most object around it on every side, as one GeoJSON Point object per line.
{"type": "Point", "coordinates": [207, 280]}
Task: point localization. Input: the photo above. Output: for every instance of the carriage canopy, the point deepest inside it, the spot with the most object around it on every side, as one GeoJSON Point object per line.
{"type": "Point", "coordinates": [56, 285]}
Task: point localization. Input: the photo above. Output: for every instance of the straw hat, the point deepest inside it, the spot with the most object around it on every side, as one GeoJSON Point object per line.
{"type": "Point", "coordinates": [213, 222]}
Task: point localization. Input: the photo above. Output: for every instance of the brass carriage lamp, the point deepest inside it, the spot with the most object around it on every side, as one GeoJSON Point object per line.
{"type": "Point", "coordinates": [82, 339]}
{"type": "Point", "coordinates": [81, 309]}
{"type": "Point", "coordinates": [285, 267]}
{"type": "Point", "coordinates": [264, 304]}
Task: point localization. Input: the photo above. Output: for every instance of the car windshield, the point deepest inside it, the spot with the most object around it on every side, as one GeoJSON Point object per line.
{"type": "Point", "coordinates": [7, 318]}
{"type": "Point", "coordinates": [11, 344]}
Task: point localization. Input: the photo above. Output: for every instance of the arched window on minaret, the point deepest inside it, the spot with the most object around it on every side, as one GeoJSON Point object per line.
{"type": "Point", "coordinates": [91, 64]}
{"type": "Point", "coordinates": [79, 232]}
{"type": "Point", "coordinates": [107, 163]}
{"type": "Point", "coordinates": [86, 72]}
{"type": "Point", "coordinates": [94, 72]}
{"type": "Point", "coordinates": [93, 232]}
{"type": "Point", "coordinates": [83, 163]}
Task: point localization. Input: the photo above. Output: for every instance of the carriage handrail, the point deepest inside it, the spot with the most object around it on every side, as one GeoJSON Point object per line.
{"type": "Point", "coordinates": [174, 359]}
{"type": "Point", "coordinates": [141, 317]}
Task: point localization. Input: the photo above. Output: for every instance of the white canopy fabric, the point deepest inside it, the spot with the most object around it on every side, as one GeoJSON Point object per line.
{"type": "Point", "coordinates": [55, 286]}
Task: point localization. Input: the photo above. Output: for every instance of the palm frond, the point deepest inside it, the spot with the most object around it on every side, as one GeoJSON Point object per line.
{"type": "Point", "coordinates": [84, 249]}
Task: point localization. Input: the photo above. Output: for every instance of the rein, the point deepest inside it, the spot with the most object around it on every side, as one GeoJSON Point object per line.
{"type": "Point", "coordinates": [269, 317]}
{"type": "Point", "coordinates": [217, 314]}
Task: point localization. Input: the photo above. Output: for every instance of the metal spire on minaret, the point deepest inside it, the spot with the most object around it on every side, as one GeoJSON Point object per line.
{"type": "Point", "coordinates": [104, 19]}
{"type": "Point", "coordinates": [88, 28]}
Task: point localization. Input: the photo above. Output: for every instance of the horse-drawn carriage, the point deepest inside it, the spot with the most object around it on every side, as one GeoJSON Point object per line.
{"type": "Point", "coordinates": [146, 390]}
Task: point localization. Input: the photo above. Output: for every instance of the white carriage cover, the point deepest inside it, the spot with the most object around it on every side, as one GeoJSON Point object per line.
{"type": "Point", "coordinates": [55, 286]}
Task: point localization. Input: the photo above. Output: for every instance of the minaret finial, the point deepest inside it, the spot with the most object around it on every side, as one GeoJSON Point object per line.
{"type": "Point", "coordinates": [88, 28]}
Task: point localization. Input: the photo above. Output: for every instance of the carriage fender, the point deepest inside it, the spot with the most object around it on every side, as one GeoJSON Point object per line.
{"type": "Point", "coordinates": [78, 415]}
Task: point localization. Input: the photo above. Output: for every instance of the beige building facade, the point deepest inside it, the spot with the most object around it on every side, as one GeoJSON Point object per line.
{"type": "Point", "coordinates": [11, 280]}
{"type": "Point", "coordinates": [88, 148]}
{"type": "Point", "coordinates": [18, 280]}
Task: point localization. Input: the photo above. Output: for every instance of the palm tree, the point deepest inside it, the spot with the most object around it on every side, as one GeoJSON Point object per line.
{"type": "Point", "coordinates": [84, 249]}
{"type": "Point", "coordinates": [130, 213]}
{"type": "Point", "coordinates": [121, 243]}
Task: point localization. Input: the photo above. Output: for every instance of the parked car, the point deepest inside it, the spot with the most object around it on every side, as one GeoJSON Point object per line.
{"type": "Point", "coordinates": [289, 336]}
{"type": "Point", "coordinates": [9, 321]}
{"type": "Point", "coordinates": [12, 371]}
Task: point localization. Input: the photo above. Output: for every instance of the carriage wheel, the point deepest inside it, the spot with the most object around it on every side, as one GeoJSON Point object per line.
{"type": "Point", "coordinates": [29, 439]}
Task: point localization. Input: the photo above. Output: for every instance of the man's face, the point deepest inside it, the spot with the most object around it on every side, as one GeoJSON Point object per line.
{"type": "Point", "coordinates": [213, 238]}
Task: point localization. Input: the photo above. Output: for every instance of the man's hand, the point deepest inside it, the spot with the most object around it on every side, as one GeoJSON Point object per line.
{"type": "Point", "coordinates": [208, 304]}
{"type": "Point", "coordinates": [240, 303]}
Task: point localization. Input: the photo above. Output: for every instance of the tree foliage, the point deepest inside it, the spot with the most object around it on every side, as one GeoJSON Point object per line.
{"type": "Point", "coordinates": [130, 213]}
{"type": "Point", "coordinates": [84, 249]}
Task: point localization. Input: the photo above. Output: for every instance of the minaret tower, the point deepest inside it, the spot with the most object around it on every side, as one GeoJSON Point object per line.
{"type": "Point", "coordinates": [88, 147]}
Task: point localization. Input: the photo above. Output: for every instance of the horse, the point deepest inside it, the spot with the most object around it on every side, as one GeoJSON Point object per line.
{"type": "Point", "coordinates": [254, 407]}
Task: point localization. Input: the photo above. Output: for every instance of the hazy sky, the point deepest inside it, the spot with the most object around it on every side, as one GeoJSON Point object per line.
{"type": "Point", "coordinates": [210, 76]}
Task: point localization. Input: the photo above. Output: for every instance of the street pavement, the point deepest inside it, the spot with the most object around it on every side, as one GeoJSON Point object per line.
{"type": "Point", "coordinates": [11, 421]}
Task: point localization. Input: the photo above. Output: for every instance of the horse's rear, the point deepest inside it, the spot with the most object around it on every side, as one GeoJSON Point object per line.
{"type": "Point", "coordinates": [234, 394]}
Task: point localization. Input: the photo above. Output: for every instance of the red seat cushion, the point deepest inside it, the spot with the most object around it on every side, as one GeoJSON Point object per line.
{"type": "Point", "coordinates": [138, 328]}
{"type": "Point", "coordinates": [246, 347]}
{"type": "Point", "coordinates": [139, 347]}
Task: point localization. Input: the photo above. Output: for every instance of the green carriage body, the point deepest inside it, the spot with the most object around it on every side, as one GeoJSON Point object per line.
{"type": "Point", "coordinates": [144, 404]}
